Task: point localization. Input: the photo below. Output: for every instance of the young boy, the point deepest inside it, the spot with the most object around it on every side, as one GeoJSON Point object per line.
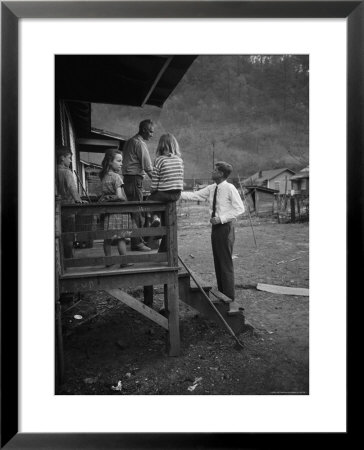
{"type": "Point", "coordinates": [67, 190]}
{"type": "Point", "coordinates": [66, 185]}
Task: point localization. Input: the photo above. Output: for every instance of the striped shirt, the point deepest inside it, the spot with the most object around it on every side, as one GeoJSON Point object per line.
{"type": "Point", "coordinates": [167, 173]}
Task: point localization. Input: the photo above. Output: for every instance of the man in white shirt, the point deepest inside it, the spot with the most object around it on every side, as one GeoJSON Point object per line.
{"type": "Point", "coordinates": [225, 206]}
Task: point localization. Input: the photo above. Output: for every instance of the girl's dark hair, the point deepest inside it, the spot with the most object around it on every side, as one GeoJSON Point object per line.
{"type": "Point", "coordinates": [108, 159]}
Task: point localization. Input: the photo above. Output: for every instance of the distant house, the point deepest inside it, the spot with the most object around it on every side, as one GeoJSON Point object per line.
{"type": "Point", "coordinates": [300, 182]}
{"type": "Point", "coordinates": [260, 199]}
{"type": "Point", "coordinates": [90, 173]}
{"type": "Point", "coordinates": [277, 179]}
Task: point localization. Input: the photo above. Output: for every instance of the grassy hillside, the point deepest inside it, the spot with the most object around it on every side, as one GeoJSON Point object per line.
{"type": "Point", "coordinates": [251, 111]}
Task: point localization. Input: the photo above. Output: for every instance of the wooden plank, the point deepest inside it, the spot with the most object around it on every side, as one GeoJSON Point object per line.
{"type": "Point", "coordinates": [285, 290]}
{"type": "Point", "coordinates": [102, 260]}
{"type": "Point", "coordinates": [138, 306]}
{"type": "Point", "coordinates": [59, 360]}
{"type": "Point", "coordinates": [105, 272]}
{"type": "Point", "coordinates": [111, 207]}
{"type": "Point", "coordinates": [197, 301]}
{"type": "Point", "coordinates": [171, 226]}
{"type": "Point", "coordinates": [205, 286]}
{"type": "Point", "coordinates": [122, 278]}
{"type": "Point", "coordinates": [108, 234]}
{"type": "Point", "coordinates": [58, 227]}
{"type": "Point", "coordinates": [219, 296]}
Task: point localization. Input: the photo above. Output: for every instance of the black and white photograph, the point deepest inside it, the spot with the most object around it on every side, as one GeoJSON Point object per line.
{"type": "Point", "coordinates": [181, 197]}
{"type": "Point", "coordinates": [182, 224]}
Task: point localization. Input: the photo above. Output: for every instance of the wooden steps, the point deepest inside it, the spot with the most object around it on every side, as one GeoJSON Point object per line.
{"type": "Point", "coordinates": [190, 294]}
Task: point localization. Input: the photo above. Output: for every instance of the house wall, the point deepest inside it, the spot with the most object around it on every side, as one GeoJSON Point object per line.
{"type": "Point", "coordinates": [249, 202]}
{"type": "Point", "coordinates": [301, 186]}
{"type": "Point", "coordinates": [93, 183]}
{"type": "Point", "coordinates": [67, 136]}
{"type": "Point", "coordinates": [264, 202]}
{"type": "Point", "coordinates": [279, 182]}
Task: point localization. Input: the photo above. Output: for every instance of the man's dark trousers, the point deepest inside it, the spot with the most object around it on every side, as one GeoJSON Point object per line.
{"type": "Point", "coordinates": [222, 241]}
{"type": "Point", "coordinates": [133, 187]}
{"type": "Point", "coordinates": [164, 196]}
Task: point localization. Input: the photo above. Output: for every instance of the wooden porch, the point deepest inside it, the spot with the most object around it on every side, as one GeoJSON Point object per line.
{"type": "Point", "coordinates": [86, 270]}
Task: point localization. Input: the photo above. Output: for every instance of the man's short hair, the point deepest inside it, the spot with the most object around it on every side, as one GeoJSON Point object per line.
{"type": "Point", "coordinates": [62, 150]}
{"type": "Point", "coordinates": [224, 167]}
{"type": "Point", "coordinates": [144, 123]}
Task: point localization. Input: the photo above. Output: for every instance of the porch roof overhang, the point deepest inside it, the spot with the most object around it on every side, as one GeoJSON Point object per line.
{"type": "Point", "coordinates": [133, 80]}
{"type": "Point", "coordinates": [262, 188]}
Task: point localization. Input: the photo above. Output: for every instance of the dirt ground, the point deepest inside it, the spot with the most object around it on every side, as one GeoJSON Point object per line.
{"type": "Point", "coordinates": [113, 350]}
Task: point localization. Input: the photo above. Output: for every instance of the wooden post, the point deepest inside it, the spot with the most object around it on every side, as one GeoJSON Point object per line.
{"type": "Point", "coordinates": [172, 312]}
{"type": "Point", "coordinates": [171, 289]}
{"type": "Point", "coordinates": [148, 296]}
{"type": "Point", "coordinates": [298, 208]}
{"type": "Point", "coordinates": [59, 359]}
{"type": "Point", "coordinates": [293, 212]}
{"type": "Point", "coordinates": [171, 224]}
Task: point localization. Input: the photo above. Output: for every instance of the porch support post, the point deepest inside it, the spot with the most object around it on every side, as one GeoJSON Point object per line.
{"type": "Point", "coordinates": [172, 312]}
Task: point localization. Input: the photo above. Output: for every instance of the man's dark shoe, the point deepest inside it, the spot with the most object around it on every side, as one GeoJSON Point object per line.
{"type": "Point", "coordinates": [156, 222]}
{"type": "Point", "coordinates": [142, 248]}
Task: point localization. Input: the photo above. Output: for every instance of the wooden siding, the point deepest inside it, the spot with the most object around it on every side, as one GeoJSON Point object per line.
{"type": "Point", "coordinates": [301, 186]}
{"type": "Point", "coordinates": [281, 178]}
{"type": "Point", "coordinates": [93, 183]}
{"type": "Point", "coordinates": [264, 202]}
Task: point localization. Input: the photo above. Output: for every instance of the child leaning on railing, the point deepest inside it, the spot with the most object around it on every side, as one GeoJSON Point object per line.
{"type": "Point", "coordinates": [112, 190]}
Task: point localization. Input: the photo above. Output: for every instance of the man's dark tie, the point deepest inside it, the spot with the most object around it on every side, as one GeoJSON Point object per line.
{"type": "Point", "coordinates": [214, 204]}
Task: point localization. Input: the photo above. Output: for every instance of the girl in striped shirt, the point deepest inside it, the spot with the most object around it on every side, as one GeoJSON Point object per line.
{"type": "Point", "coordinates": [167, 175]}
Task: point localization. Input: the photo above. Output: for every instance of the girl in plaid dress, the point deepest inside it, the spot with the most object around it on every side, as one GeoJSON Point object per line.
{"type": "Point", "coordinates": [112, 190]}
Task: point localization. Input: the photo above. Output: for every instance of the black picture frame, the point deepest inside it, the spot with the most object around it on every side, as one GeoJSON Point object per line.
{"type": "Point", "coordinates": [11, 12]}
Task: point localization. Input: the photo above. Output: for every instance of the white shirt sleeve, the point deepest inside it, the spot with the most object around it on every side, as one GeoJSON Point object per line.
{"type": "Point", "coordinates": [201, 195]}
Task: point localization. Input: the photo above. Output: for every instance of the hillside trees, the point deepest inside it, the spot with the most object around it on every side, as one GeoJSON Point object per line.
{"type": "Point", "coordinates": [253, 108]}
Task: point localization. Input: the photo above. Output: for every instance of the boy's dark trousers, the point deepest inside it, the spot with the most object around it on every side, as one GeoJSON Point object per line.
{"type": "Point", "coordinates": [222, 241]}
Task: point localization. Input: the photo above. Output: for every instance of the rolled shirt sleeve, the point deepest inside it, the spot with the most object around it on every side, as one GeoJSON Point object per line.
{"type": "Point", "coordinates": [202, 195]}
{"type": "Point", "coordinates": [144, 157]}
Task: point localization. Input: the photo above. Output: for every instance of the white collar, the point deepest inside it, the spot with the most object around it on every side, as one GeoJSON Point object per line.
{"type": "Point", "coordinates": [223, 182]}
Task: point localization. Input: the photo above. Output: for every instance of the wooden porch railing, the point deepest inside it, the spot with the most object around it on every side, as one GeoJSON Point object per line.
{"type": "Point", "coordinates": [85, 269]}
